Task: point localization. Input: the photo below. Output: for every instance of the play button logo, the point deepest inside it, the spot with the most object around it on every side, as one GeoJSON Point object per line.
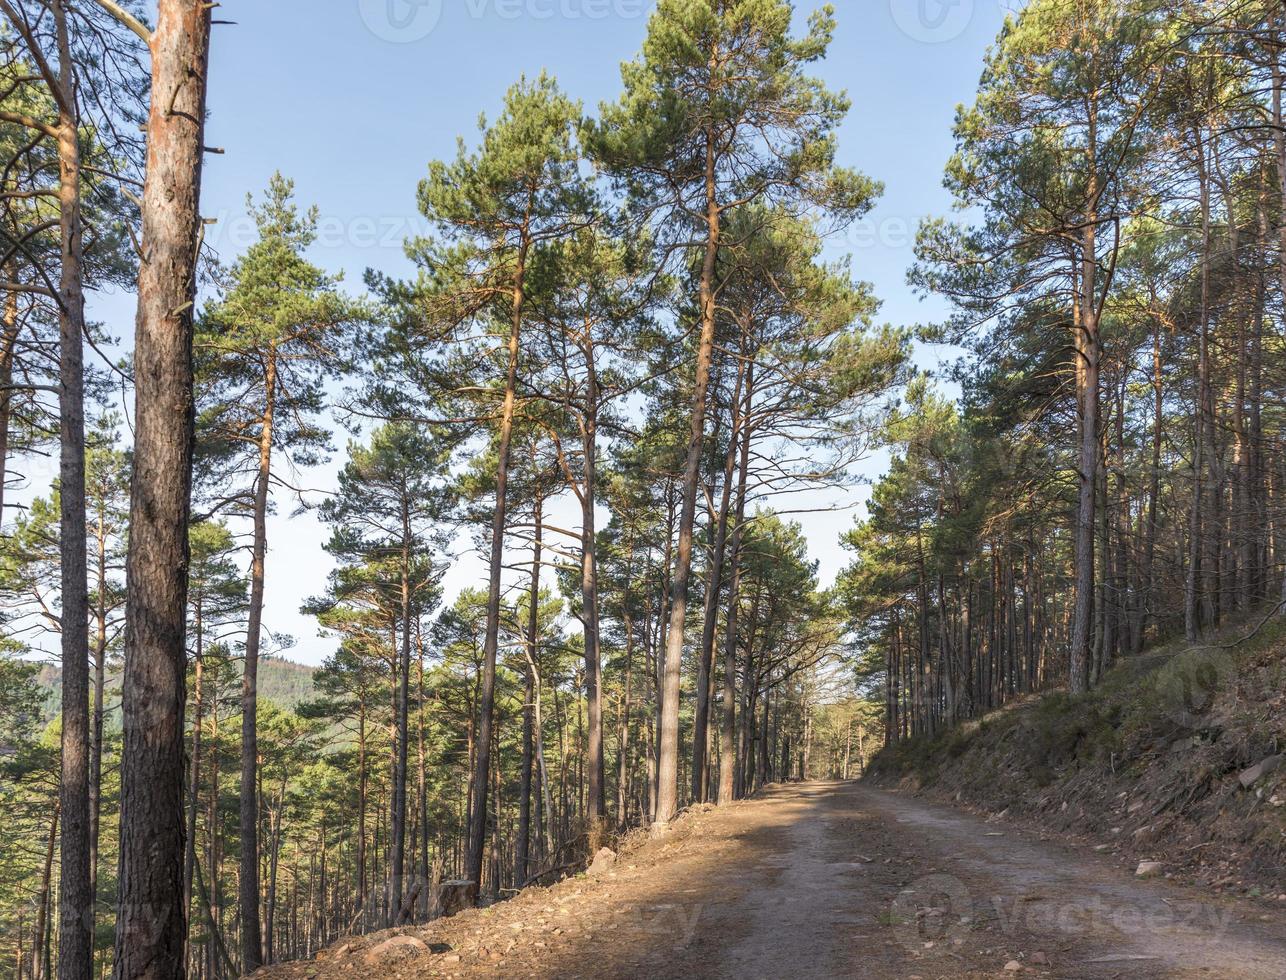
{"type": "Point", "coordinates": [400, 21]}
{"type": "Point", "coordinates": [932, 21]}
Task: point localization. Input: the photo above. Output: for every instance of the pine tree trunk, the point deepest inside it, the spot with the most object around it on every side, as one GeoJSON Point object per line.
{"type": "Point", "coordinates": [1148, 576]}
{"type": "Point", "coordinates": [274, 855]}
{"type": "Point", "coordinates": [623, 724]}
{"type": "Point", "coordinates": [668, 755]}
{"type": "Point", "coordinates": [96, 716]}
{"type": "Point", "coordinates": [705, 662]}
{"type": "Point", "coordinates": [362, 792]}
{"type": "Point", "coordinates": [248, 880]}
{"type": "Point", "coordinates": [728, 761]}
{"type": "Point", "coordinates": [194, 765]}
{"type": "Point", "coordinates": [1121, 520]}
{"type": "Point", "coordinates": [1192, 582]}
{"type": "Point", "coordinates": [1088, 352]}
{"type": "Point", "coordinates": [151, 920]}
{"type": "Point", "coordinates": [1279, 147]}
{"type": "Point", "coordinates": [487, 694]}
{"type": "Point", "coordinates": [657, 666]}
{"type": "Point", "coordinates": [43, 894]}
{"type": "Point", "coordinates": [545, 801]}
{"type": "Point", "coordinates": [421, 774]}
{"type": "Point", "coordinates": [523, 858]}
{"type": "Point", "coordinates": [596, 804]}
{"type": "Point", "coordinates": [75, 898]}
{"type": "Point", "coordinates": [1257, 503]}
{"type": "Point", "coordinates": [397, 821]}
{"type": "Point", "coordinates": [8, 351]}
{"type": "Point", "coordinates": [213, 855]}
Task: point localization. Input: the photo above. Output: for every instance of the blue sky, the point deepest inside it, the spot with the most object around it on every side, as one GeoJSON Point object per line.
{"type": "Point", "coordinates": [352, 98]}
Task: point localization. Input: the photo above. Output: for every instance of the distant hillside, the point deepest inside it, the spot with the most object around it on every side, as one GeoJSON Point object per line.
{"type": "Point", "coordinates": [285, 682]}
{"type": "Point", "coordinates": [281, 681]}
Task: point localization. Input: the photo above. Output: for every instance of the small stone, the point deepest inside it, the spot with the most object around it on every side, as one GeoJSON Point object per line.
{"type": "Point", "coordinates": [1013, 966]}
{"type": "Point", "coordinates": [398, 945]}
{"type": "Point", "coordinates": [604, 860]}
{"type": "Point", "coordinates": [1148, 869]}
{"type": "Point", "coordinates": [1259, 770]}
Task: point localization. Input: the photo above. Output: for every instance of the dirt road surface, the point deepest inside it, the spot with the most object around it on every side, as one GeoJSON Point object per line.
{"type": "Point", "coordinates": [823, 880]}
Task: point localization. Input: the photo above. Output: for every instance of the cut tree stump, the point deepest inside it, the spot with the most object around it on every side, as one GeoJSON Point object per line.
{"type": "Point", "coordinates": [451, 897]}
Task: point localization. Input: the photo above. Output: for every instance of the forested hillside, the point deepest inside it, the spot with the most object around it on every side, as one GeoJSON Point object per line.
{"type": "Point", "coordinates": [627, 353]}
{"type": "Point", "coordinates": [281, 681]}
{"type": "Point", "coordinates": [1111, 473]}
{"type": "Point", "coordinates": [1175, 756]}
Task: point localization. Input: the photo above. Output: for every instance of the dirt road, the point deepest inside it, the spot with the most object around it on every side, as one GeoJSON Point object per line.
{"type": "Point", "coordinates": [824, 880]}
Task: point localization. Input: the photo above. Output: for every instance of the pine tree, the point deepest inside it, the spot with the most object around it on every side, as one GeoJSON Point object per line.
{"type": "Point", "coordinates": [718, 114]}
{"type": "Point", "coordinates": [1050, 150]}
{"type": "Point", "coordinates": [590, 303]}
{"type": "Point", "coordinates": [266, 350]}
{"type": "Point", "coordinates": [492, 210]}
{"type": "Point", "coordinates": [217, 599]}
{"type": "Point", "coordinates": [386, 514]}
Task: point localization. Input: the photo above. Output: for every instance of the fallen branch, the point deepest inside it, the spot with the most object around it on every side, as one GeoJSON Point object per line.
{"type": "Point", "coordinates": [549, 871]}
{"type": "Point", "coordinates": [1277, 607]}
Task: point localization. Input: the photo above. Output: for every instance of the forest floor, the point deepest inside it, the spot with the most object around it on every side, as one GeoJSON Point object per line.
{"type": "Point", "coordinates": [821, 880]}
